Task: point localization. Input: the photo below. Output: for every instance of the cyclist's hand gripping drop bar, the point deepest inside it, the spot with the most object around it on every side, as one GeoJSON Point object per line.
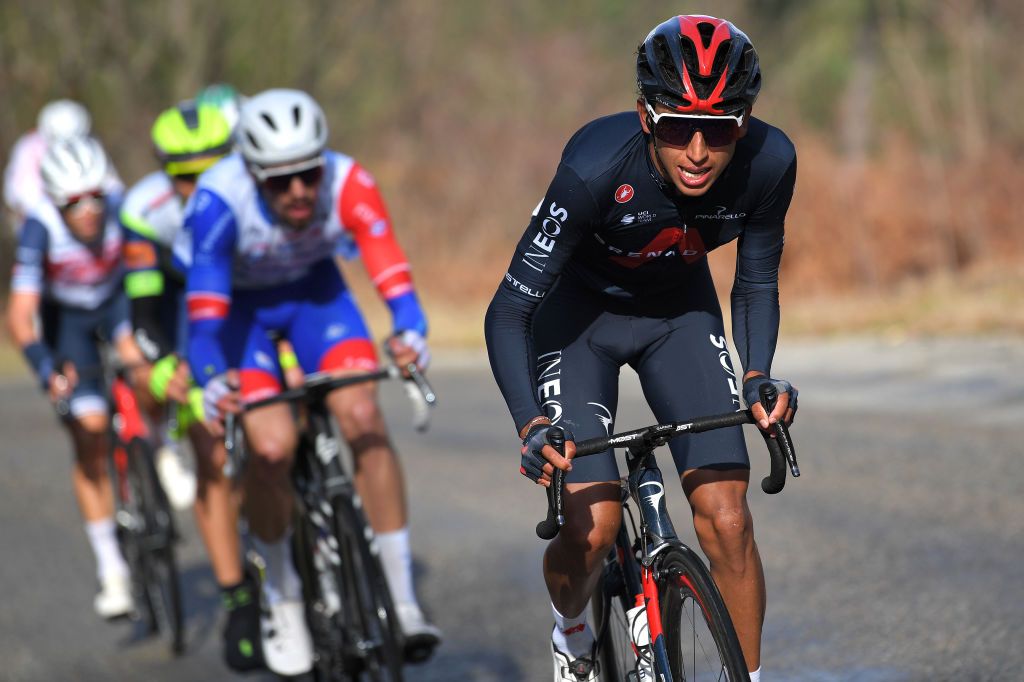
{"type": "Point", "coordinates": [418, 390]}
{"type": "Point", "coordinates": [780, 450]}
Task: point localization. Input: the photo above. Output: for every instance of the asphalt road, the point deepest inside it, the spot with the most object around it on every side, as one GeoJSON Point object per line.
{"type": "Point", "coordinates": [897, 556]}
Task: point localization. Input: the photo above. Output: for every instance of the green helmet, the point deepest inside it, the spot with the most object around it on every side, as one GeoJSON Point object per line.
{"type": "Point", "coordinates": [225, 98]}
{"type": "Point", "coordinates": [190, 137]}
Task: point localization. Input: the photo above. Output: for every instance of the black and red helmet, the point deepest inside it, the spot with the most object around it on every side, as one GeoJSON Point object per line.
{"type": "Point", "coordinates": [698, 64]}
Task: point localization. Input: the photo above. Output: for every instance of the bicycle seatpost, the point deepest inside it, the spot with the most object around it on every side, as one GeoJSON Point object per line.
{"type": "Point", "coordinates": [549, 527]}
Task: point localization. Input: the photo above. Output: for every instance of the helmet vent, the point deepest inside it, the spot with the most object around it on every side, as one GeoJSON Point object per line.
{"type": "Point", "coordinates": [296, 115]}
{"type": "Point", "coordinates": [252, 140]}
{"type": "Point", "coordinates": [706, 30]}
{"type": "Point", "coordinates": [721, 56]}
{"type": "Point", "coordinates": [269, 121]}
{"type": "Point", "coordinates": [190, 113]}
{"type": "Point", "coordinates": [319, 127]}
{"type": "Point", "coordinates": [663, 55]}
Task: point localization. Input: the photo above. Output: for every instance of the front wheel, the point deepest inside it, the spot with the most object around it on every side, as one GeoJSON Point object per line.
{"type": "Point", "coordinates": [155, 537]}
{"type": "Point", "coordinates": [608, 605]}
{"type": "Point", "coordinates": [700, 640]}
{"type": "Point", "coordinates": [372, 618]}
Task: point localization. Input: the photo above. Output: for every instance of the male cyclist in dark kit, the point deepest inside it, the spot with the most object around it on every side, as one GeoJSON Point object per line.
{"type": "Point", "coordinates": [613, 270]}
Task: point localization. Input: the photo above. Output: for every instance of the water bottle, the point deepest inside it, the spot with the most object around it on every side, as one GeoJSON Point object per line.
{"type": "Point", "coordinates": [640, 634]}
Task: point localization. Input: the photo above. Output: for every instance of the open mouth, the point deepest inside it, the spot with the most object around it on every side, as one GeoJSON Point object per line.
{"type": "Point", "coordinates": [694, 177]}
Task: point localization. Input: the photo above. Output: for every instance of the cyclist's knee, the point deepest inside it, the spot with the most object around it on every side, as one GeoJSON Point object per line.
{"type": "Point", "coordinates": [272, 455]}
{"type": "Point", "coordinates": [92, 425]}
{"type": "Point", "coordinates": [360, 417]}
{"type": "Point", "coordinates": [724, 532]}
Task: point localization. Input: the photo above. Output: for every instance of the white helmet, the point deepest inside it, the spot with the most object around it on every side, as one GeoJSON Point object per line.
{"type": "Point", "coordinates": [284, 128]}
{"type": "Point", "coordinates": [73, 167]}
{"type": "Point", "coordinates": [62, 119]}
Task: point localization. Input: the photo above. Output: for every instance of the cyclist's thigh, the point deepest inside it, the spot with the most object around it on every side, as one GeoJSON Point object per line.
{"type": "Point", "coordinates": [327, 330]}
{"type": "Point", "coordinates": [578, 345]}
{"type": "Point", "coordinates": [76, 342]}
{"type": "Point", "coordinates": [248, 348]}
{"type": "Point", "coordinates": [687, 372]}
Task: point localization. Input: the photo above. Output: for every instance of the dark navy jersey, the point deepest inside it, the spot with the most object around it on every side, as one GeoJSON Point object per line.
{"type": "Point", "coordinates": [609, 222]}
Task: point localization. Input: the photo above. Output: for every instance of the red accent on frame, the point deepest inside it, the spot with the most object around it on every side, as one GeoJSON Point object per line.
{"type": "Point", "coordinates": [653, 605]}
{"type": "Point", "coordinates": [131, 423]}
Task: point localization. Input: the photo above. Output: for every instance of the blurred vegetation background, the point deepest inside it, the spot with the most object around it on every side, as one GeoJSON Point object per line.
{"type": "Point", "coordinates": [907, 214]}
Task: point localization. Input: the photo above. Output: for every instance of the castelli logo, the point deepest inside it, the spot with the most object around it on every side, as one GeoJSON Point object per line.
{"type": "Point", "coordinates": [624, 193]}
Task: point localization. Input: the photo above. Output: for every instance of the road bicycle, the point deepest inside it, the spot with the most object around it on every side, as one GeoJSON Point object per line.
{"type": "Point", "coordinates": [650, 571]}
{"type": "Point", "coordinates": [145, 523]}
{"type": "Point", "coordinates": [349, 609]}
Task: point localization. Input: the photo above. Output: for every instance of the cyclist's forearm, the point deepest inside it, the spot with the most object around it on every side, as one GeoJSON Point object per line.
{"type": "Point", "coordinates": [755, 326]}
{"type": "Point", "coordinates": [205, 356]}
{"type": "Point", "coordinates": [510, 350]}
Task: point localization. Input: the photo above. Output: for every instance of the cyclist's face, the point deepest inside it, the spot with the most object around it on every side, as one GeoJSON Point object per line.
{"type": "Point", "coordinates": [292, 198]}
{"type": "Point", "coordinates": [695, 167]}
{"type": "Point", "coordinates": [184, 185]}
{"type": "Point", "coordinates": [85, 217]}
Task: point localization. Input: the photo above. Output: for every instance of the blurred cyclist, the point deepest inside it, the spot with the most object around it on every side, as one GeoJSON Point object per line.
{"type": "Point", "coordinates": [613, 270]}
{"type": "Point", "coordinates": [264, 224]}
{"type": "Point", "coordinates": [226, 98]}
{"type": "Point", "coordinates": [23, 188]}
{"type": "Point", "coordinates": [68, 272]}
{"type": "Point", "coordinates": [188, 139]}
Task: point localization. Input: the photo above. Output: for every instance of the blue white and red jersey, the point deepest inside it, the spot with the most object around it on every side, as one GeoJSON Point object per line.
{"type": "Point", "coordinates": [237, 252]}
{"type": "Point", "coordinates": [53, 263]}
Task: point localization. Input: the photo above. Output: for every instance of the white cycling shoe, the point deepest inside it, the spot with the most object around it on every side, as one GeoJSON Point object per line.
{"type": "Point", "coordinates": [287, 644]}
{"type": "Point", "coordinates": [114, 599]}
{"type": "Point", "coordinates": [582, 669]}
{"type": "Point", "coordinates": [421, 636]}
{"type": "Point", "coordinates": [177, 479]}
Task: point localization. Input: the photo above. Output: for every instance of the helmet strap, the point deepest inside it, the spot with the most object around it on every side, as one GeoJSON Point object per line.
{"type": "Point", "coordinates": [661, 173]}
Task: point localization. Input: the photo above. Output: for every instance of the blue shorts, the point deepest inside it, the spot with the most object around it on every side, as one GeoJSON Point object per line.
{"type": "Point", "coordinates": [678, 349]}
{"type": "Point", "coordinates": [316, 314]}
{"type": "Point", "coordinates": [76, 335]}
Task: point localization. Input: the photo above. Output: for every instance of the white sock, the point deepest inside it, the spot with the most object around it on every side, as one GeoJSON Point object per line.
{"type": "Point", "coordinates": [396, 556]}
{"type": "Point", "coordinates": [103, 539]}
{"type": "Point", "coordinates": [281, 582]}
{"type": "Point", "coordinates": [756, 675]}
{"type": "Point", "coordinates": [572, 636]}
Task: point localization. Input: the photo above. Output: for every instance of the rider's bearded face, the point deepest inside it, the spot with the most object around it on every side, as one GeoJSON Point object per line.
{"type": "Point", "coordinates": [692, 169]}
{"type": "Point", "coordinates": [292, 197]}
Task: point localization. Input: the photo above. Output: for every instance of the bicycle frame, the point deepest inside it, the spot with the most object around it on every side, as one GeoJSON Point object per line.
{"type": "Point", "coordinates": [656, 531]}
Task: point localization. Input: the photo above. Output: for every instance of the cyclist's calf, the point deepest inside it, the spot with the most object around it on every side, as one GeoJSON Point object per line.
{"type": "Point", "coordinates": [573, 560]}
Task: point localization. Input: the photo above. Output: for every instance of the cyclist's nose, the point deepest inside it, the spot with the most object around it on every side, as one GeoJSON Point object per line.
{"type": "Point", "coordinates": [697, 149]}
